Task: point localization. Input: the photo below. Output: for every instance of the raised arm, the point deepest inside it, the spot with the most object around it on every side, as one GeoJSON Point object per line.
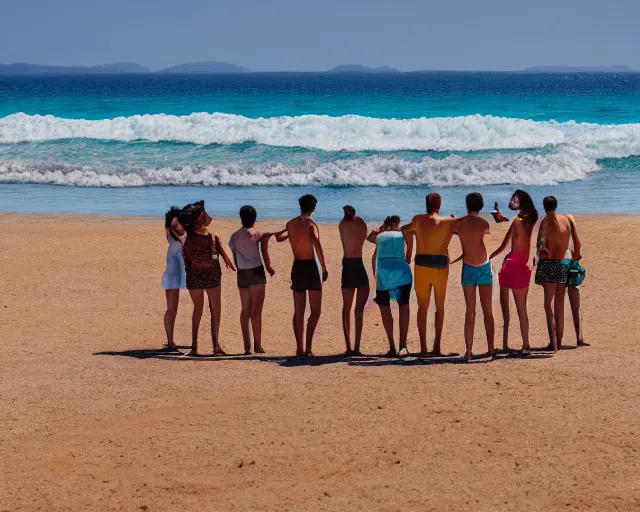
{"type": "Point", "coordinates": [577, 245]}
{"type": "Point", "coordinates": [223, 253]}
{"type": "Point", "coordinates": [408, 230]}
{"type": "Point", "coordinates": [373, 236]}
{"type": "Point", "coordinates": [504, 243]}
{"type": "Point", "coordinates": [264, 249]}
{"type": "Point", "coordinates": [318, 247]}
{"type": "Point", "coordinates": [282, 235]}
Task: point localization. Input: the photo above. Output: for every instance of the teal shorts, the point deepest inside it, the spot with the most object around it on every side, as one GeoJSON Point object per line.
{"type": "Point", "coordinates": [477, 276]}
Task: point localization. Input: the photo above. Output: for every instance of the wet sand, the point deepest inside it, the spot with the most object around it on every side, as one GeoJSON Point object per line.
{"type": "Point", "coordinates": [92, 418]}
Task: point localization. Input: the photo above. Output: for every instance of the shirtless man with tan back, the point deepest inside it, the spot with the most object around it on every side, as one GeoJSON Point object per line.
{"type": "Point", "coordinates": [353, 233]}
{"type": "Point", "coordinates": [556, 231]}
{"type": "Point", "coordinates": [476, 271]}
{"type": "Point", "coordinates": [303, 235]}
{"type": "Point", "coordinates": [433, 234]}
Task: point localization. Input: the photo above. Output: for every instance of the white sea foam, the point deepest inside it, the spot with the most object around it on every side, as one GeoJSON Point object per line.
{"type": "Point", "coordinates": [348, 133]}
{"type": "Point", "coordinates": [500, 168]}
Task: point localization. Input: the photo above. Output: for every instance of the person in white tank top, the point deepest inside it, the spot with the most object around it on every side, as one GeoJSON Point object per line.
{"type": "Point", "coordinates": [173, 279]}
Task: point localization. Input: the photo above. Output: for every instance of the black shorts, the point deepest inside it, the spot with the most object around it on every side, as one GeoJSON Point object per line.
{"type": "Point", "coordinates": [354, 275]}
{"type": "Point", "coordinates": [305, 276]}
{"type": "Point", "coordinates": [552, 271]}
{"type": "Point", "coordinates": [402, 295]}
{"type": "Point", "coordinates": [250, 276]}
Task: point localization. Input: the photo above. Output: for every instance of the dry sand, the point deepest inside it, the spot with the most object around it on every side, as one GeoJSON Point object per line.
{"type": "Point", "coordinates": [91, 420]}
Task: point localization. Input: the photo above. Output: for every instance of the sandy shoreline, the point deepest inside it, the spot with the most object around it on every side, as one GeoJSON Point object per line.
{"type": "Point", "coordinates": [91, 420]}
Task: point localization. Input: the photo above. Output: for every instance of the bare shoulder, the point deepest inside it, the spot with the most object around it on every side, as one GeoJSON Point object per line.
{"type": "Point", "coordinates": [361, 222]}
{"type": "Point", "coordinates": [484, 223]}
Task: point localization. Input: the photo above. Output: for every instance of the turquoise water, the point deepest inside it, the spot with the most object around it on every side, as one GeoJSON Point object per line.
{"type": "Point", "coordinates": [134, 144]}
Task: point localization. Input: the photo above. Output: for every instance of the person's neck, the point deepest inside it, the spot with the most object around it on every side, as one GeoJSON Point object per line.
{"type": "Point", "coordinates": [552, 214]}
{"type": "Point", "coordinates": [474, 214]}
{"type": "Point", "coordinates": [306, 215]}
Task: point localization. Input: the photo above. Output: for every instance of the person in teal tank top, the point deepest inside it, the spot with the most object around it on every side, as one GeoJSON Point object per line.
{"type": "Point", "coordinates": [393, 279]}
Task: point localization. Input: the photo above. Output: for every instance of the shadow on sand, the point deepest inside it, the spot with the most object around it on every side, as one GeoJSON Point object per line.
{"type": "Point", "coordinates": [363, 360]}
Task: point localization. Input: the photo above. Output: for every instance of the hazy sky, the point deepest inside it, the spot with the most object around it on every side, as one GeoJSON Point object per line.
{"type": "Point", "coordinates": [304, 35]}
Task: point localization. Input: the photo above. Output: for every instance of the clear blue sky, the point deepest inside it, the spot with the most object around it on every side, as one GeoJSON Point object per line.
{"type": "Point", "coordinates": [304, 35]}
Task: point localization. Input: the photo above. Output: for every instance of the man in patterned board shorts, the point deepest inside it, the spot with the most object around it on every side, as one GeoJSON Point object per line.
{"type": "Point", "coordinates": [556, 231]}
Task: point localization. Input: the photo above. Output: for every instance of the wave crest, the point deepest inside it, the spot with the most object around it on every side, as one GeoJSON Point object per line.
{"type": "Point", "coordinates": [345, 133]}
{"type": "Point", "coordinates": [454, 170]}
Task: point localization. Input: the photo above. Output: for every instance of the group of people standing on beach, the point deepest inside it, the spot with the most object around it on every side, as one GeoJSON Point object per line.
{"type": "Point", "coordinates": [193, 262]}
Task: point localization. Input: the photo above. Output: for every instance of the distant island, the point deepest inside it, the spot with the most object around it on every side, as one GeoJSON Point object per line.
{"type": "Point", "coordinates": [579, 69]}
{"type": "Point", "coordinates": [22, 68]}
{"type": "Point", "coordinates": [205, 67]}
{"type": "Point", "coordinates": [357, 68]}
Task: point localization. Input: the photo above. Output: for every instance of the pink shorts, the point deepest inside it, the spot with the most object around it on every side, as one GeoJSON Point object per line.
{"type": "Point", "coordinates": [515, 272]}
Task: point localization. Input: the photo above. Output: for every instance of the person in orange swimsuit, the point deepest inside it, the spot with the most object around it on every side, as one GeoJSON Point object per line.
{"type": "Point", "coordinates": [433, 234]}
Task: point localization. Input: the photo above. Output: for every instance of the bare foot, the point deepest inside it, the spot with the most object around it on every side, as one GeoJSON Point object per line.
{"type": "Point", "coordinates": [299, 354]}
{"type": "Point", "coordinates": [258, 350]}
{"type": "Point", "coordinates": [356, 353]}
{"type": "Point", "coordinates": [468, 356]}
{"type": "Point", "coordinates": [348, 353]}
{"type": "Point", "coordinates": [247, 352]}
{"type": "Point", "coordinates": [391, 353]}
{"type": "Point", "coordinates": [582, 343]}
{"type": "Point", "coordinates": [192, 353]}
{"type": "Point", "coordinates": [424, 354]}
{"type": "Point", "coordinates": [219, 352]}
{"type": "Point", "coordinates": [308, 353]}
{"type": "Point", "coordinates": [403, 352]}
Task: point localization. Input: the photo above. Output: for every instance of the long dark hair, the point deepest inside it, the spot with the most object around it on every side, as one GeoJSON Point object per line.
{"type": "Point", "coordinates": [189, 216]}
{"type": "Point", "coordinates": [173, 212]}
{"type": "Point", "coordinates": [528, 212]}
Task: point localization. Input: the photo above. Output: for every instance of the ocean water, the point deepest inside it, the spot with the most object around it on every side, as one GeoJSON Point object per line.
{"type": "Point", "coordinates": [136, 144]}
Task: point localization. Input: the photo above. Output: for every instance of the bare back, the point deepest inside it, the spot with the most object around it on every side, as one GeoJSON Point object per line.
{"type": "Point", "coordinates": [555, 232]}
{"type": "Point", "coordinates": [301, 232]}
{"type": "Point", "coordinates": [521, 236]}
{"type": "Point", "coordinates": [433, 233]}
{"type": "Point", "coordinates": [471, 230]}
{"type": "Point", "coordinates": [353, 233]}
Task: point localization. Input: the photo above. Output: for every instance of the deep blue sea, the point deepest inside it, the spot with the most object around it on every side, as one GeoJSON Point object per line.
{"type": "Point", "coordinates": [138, 144]}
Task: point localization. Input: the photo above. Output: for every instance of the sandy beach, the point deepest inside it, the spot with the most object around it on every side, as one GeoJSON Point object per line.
{"type": "Point", "coordinates": [91, 418]}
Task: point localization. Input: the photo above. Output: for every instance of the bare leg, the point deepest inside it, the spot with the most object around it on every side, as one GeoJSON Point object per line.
{"type": "Point", "coordinates": [299, 306]}
{"type": "Point", "coordinates": [245, 316]}
{"type": "Point", "coordinates": [405, 313]}
{"type": "Point", "coordinates": [315, 304]}
{"type": "Point", "coordinates": [486, 296]}
{"type": "Point", "coordinates": [469, 319]}
{"type": "Point", "coordinates": [421, 318]}
{"type": "Point", "coordinates": [549, 294]}
{"type": "Point", "coordinates": [347, 303]}
{"type": "Point", "coordinates": [215, 306]}
{"type": "Point", "coordinates": [504, 305]}
{"type": "Point", "coordinates": [361, 301]}
{"type": "Point", "coordinates": [257, 292]}
{"type": "Point", "coordinates": [197, 296]}
{"type": "Point", "coordinates": [387, 322]}
{"type": "Point", "coordinates": [558, 309]}
{"type": "Point", "coordinates": [520, 297]}
{"type": "Point", "coordinates": [440, 293]}
{"type": "Point", "coordinates": [574, 300]}
{"type": "Point", "coordinates": [173, 298]}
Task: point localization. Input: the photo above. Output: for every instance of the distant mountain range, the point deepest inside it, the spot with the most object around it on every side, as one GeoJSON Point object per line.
{"type": "Point", "coordinates": [357, 68]}
{"type": "Point", "coordinates": [214, 67]}
{"type": "Point", "coordinates": [22, 68]}
{"type": "Point", "coordinates": [579, 69]}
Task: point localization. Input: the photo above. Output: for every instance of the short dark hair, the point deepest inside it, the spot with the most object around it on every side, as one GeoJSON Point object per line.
{"type": "Point", "coordinates": [475, 202]}
{"type": "Point", "coordinates": [349, 211]}
{"type": "Point", "coordinates": [391, 220]}
{"type": "Point", "coordinates": [307, 203]}
{"type": "Point", "coordinates": [248, 216]}
{"type": "Point", "coordinates": [550, 203]}
{"type": "Point", "coordinates": [173, 212]}
{"type": "Point", "coordinates": [434, 201]}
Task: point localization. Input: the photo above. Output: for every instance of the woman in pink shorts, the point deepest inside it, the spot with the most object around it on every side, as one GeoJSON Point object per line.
{"type": "Point", "coordinates": [515, 274]}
